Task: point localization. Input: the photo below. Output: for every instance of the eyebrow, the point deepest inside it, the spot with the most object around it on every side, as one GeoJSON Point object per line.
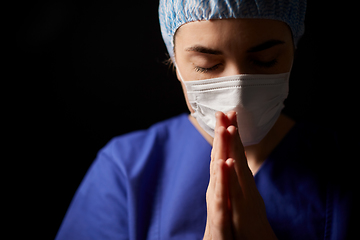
{"type": "Point", "coordinates": [265, 45]}
{"type": "Point", "coordinates": [257, 48]}
{"type": "Point", "coordinates": [202, 49]}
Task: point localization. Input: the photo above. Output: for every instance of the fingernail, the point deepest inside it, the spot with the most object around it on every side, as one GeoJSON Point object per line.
{"type": "Point", "coordinates": [230, 162]}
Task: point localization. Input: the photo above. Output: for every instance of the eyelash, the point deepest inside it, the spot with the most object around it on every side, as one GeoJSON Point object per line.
{"type": "Point", "coordinates": [255, 62]}
{"type": "Point", "coordinates": [265, 64]}
{"type": "Point", "coordinates": [205, 70]}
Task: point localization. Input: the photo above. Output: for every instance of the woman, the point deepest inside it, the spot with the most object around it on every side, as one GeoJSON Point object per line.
{"type": "Point", "coordinates": [233, 59]}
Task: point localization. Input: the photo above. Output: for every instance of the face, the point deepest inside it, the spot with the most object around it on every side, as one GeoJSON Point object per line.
{"type": "Point", "coordinates": [218, 48]}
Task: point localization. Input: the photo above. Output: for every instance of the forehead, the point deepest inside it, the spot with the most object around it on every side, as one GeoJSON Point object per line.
{"type": "Point", "coordinates": [230, 33]}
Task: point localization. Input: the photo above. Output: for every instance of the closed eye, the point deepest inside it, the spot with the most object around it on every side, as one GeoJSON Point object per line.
{"type": "Point", "coordinates": [206, 70]}
{"type": "Point", "coordinates": [267, 64]}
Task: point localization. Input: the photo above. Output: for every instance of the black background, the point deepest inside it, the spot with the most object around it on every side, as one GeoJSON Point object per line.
{"type": "Point", "coordinates": [82, 72]}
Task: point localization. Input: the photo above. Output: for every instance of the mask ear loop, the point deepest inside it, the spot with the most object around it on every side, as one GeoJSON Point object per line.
{"type": "Point", "coordinates": [181, 78]}
{"type": "Point", "coordinates": [185, 92]}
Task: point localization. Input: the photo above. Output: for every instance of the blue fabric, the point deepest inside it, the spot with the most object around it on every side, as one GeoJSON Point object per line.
{"type": "Point", "coordinates": [174, 13]}
{"type": "Point", "coordinates": [151, 184]}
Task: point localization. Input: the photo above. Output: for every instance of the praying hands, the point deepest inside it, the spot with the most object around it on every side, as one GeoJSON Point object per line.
{"type": "Point", "coordinates": [235, 208]}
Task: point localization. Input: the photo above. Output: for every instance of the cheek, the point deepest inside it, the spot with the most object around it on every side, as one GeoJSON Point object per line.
{"type": "Point", "coordinates": [181, 65]}
{"type": "Point", "coordinates": [288, 60]}
{"type": "Point", "coordinates": [284, 63]}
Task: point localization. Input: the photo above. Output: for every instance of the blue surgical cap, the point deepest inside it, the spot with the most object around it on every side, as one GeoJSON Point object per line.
{"type": "Point", "coordinates": [174, 13]}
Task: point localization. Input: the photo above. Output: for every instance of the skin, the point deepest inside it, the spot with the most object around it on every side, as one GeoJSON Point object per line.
{"type": "Point", "coordinates": [234, 38]}
{"type": "Point", "coordinates": [218, 48]}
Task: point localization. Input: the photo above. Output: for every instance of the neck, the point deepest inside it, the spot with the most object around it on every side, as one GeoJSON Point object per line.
{"type": "Point", "coordinates": [257, 154]}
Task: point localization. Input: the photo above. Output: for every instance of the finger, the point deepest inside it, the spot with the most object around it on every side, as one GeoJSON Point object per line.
{"type": "Point", "coordinates": [235, 191]}
{"type": "Point", "coordinates": [221, 120]}
{"type": "Point", "coordinates": [221, 191]}
{"type": "Point", "coordinates": [237, 152]}
{"type": "Point", "coordinates": [236, 149]}
{"type": "Point", "coordinates": [221, 145]}
{"type": "Point", "coordinates": [209, 197]}
{"type": "Point", "coordinates": [213, 176]}
{"type": "Point", "coordinates": [220, 226]}
{"type": "Point", "coordinates": [235, 197]}
{"type": "Point", "coordinates": [247, 208]}
{"type": "Point", "coordinates": [207, 235]}
{"type": "Point", "coordinates": [231, 115]}
{"type": "Point", "coordinates": [212, 180]}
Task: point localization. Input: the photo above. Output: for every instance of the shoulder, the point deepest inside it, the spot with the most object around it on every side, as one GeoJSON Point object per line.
{"type": "Point", "coordinates": [323, 154]}
{"type": "Point", "coordinates": [309, 158]}
{"type": "Point", "coordinates": [307, 171]}
{"type": "Point", "coordinates": [112, 187]}
{"type": "Point", "coordinates": [156, 133]}
{"type": "Point", "coordinates": [143, 144]}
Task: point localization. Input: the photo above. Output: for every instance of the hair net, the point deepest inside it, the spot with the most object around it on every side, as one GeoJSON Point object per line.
{"type": "Point", "coordinates": [174, 13]}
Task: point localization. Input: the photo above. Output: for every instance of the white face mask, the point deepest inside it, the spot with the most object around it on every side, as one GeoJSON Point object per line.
{"type": "Point", "coordinates": [256, 98]}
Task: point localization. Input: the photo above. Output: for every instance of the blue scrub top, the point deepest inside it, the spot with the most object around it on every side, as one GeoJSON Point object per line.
{"type": "Point", "coordinates": [151, 184]}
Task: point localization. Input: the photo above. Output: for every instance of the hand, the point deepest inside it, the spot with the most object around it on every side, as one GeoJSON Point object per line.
{"type": "Point", "coordinates": [235, 208]}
